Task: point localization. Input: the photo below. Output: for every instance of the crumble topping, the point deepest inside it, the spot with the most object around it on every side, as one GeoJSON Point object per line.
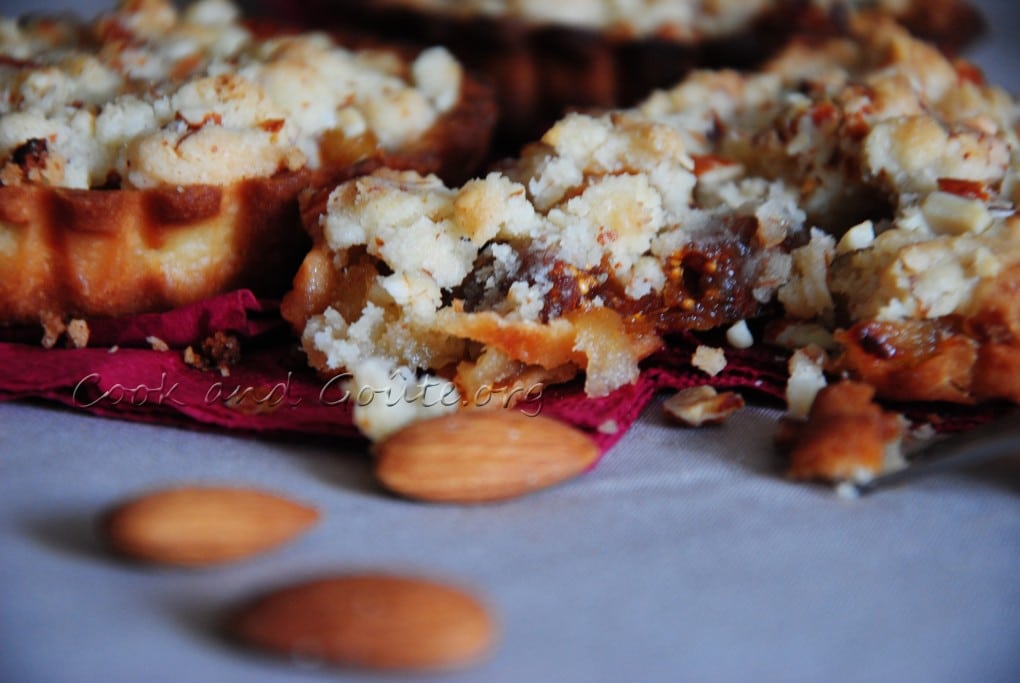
{"type": "Point", "coordinates": [870, 181]}
{"type": "Point", "coordinates": [907, 160]}
{"type": "Point", "coordinates": [578, 257]}
{"type": "Point", "coordinates": [148, 95]}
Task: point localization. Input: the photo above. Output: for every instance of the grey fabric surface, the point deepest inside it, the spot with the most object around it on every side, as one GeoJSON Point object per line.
{"type": "Point", "coordinates": [683, 556]}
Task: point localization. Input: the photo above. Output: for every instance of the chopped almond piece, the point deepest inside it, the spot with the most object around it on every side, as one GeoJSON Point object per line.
{"type": "Point", "coordinates": [701, 406]}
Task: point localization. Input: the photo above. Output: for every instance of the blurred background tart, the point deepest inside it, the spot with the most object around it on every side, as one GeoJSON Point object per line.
{"type": "Point", "coordinates": [549, 57]}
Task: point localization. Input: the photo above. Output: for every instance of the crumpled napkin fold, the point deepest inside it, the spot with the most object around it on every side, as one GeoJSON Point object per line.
{"type": "Point", "coordinates": [272, 391]}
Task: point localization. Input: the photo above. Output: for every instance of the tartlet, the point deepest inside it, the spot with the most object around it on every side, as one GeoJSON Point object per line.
{"type": "Point", "coordinates": [153, 157]}
{"type": "Point", "coordinates": [861, 192]}
{"type": "Point", "coordinates": [546, 58]}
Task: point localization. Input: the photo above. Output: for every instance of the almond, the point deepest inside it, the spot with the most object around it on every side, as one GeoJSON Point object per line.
{"type": "Point", "coordinates": [479, 456]}
{"type": "Point", "coordinates": [371, 621]}
{"type": "Point", "coordinates": [204, 526]}
{"type": "Point", "coordinates": [702, 405]}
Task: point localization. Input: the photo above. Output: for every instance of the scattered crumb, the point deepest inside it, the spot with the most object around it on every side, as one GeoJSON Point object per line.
{"type": "Point", "coordinates": [847, 490]}
{"type": "Point", "coordinates": [78, 333]}
{"type": "Point", "coordinates": [739, 336]}
{"type": "Point", "coordinates": [220, 351]}
{"type": "Point", "coordinates": [709, 360]}
{"type": "Point", "coordinates": [191, 359]}
{"type": "Point", "coordinates": [113, 349]}
{"type": "Point", "coordinates": [157, 344]}
{"type": "Point", "coordinates": [609, 427]}
{"type": "Point", "coordinates": [53, 326]}
{"type": "Point", "coordinates": [807, 378]}
{"type": "Point", "coordinates": [701, 406]}
{"type": "Point", "coordinates": [847, 437]}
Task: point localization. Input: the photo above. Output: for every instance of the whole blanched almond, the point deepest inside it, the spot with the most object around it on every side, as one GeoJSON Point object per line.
{"type": "Point", "coordinates": [204, 526]}
{"type": "Point", "coordinates": [370, 621]}
{"type": "Point", "coordinates": [478, 456]}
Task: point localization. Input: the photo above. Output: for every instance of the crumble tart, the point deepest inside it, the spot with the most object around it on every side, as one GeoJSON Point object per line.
{"type": "Point", "coordinates": [863, 182]}
{"type": "Point", "coordinates": [549, 57]}
{"type": "Point", "coordinates": [153, 157]}
{"type": "Point", "coordinates": [906, 165]}
{"type": "Point", "coordinates": [579, 256]}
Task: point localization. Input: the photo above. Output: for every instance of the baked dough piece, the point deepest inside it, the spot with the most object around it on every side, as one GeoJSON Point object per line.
{"type": "Point", "coordinates": [153, 157]}
{"type": "Point", "coordinates": [550, 57]}
{"type": "Point", "coordinates": [865, 181]}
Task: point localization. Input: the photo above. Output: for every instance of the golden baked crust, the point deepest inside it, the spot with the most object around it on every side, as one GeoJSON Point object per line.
{"type": "Point", "coordinates": [95, 252]}
{"type": "Point", "coordinates": [93, 226]}
{"type": "Point", "coordinates": [955, 359]}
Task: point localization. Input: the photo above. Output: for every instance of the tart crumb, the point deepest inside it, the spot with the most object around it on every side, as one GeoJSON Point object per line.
{"type": "Point", "coordinates": [78, 333]}
{"type": "Point", "coordinates": [156, 343]}
{"type": "Point", "coordinates": [218, 351]}
{"type": "Point", "coordinates": [807, 378]}
{"type": "Point", "coordinates": [739, 336]}
{"type": "Point", "coordinates": [709, 360]}
{"type": "Point", "coordinates": [53, 326]}
{"type": "Point", "coordinates": [846, 437]}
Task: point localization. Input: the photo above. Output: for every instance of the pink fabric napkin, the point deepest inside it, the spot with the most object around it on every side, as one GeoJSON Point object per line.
{"type": "Point", "coordinates": [271, 390]}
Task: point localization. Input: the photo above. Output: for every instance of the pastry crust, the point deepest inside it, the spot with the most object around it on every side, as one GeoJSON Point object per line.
{"type": "Point", "coordinates": [147, 238]}
{"type": "Point", "coordinates": [107, 253]}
